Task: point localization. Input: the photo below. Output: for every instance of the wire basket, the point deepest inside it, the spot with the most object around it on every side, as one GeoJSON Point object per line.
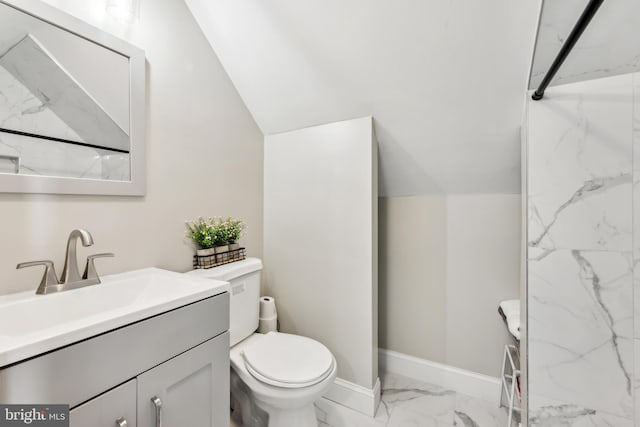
{"type": "Point", "coordinates": [210, 261]}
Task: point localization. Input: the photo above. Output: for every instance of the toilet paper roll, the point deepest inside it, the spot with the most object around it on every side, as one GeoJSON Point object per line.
{"type": "Point", "coordinates": [269, 324]}
{"type": "Point", "coordinates": [268, 315]}
{"type": "Point", "coordinates": [267, 308]}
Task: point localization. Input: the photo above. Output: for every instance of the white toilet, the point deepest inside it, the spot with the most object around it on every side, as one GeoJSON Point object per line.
{"type": "Point", "coordinates": [275, 377]}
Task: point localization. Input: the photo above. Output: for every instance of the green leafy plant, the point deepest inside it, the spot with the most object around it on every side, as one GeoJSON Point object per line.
{"type": "Point", "coordinates": [234, 229]}
{"type": "Point", "coordinates": [214, 231]}
{"type": "Point", "coordinates": [221, 233]}
{"type": "Point", "coordinates": [202, 232]}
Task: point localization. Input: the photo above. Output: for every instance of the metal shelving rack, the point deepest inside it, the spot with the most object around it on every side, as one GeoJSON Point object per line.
{"type": "Point", "coordinates": [510, 394]}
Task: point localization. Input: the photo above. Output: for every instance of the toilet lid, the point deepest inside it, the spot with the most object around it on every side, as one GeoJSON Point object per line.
{"type": "Point", "coordinates": [287, 360]}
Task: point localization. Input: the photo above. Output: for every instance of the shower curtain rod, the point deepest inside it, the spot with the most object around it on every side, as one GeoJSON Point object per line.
{"type": "Point", "coordinates": [66, 141]}
{"type": "Point", "coordinates": [583, 22]}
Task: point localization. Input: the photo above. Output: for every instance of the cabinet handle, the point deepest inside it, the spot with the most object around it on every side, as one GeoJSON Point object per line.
{"type": "Point", "coordinates": [121, 422]}
{"type": "Point", "coordinates": [158, 404]}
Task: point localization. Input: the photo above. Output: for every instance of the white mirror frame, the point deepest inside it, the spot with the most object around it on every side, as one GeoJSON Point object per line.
{"type": "Point", "coordinates": [59, 185]}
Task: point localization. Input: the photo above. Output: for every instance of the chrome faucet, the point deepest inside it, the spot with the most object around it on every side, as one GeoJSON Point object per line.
{"type": "Point", "coordinates": [70, 271]}
{"type": "Point", "coordinates": [70, 278]}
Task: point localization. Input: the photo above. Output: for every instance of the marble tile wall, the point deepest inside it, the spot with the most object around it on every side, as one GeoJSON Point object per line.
{"type": "Point", "coordinates": [636, 241]}
{"type": "Point", "coordinates": [50, 158]}
{"type": "Point", "coordinates": [30, 63]}
{"type": "Point", "coordinates": [581, 254]}
{"type": "Point", "coordinates": [21, 110]}
{"type": "Point", "coordinates": [608, 46]}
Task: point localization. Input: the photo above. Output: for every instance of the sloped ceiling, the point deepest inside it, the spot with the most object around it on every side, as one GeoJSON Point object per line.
{"type": "Point", "coordinates": [443, 79]}
{"type": "Point", "coordinates": [610, 45]}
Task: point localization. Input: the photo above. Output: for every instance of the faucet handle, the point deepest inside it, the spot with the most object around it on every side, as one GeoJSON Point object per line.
{"type": "Point", "coordinates": [90, 269]}
{"type": "Point", "coordinates": [48, 279]}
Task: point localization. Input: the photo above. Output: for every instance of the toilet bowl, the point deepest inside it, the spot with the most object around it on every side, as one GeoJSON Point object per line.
{"type": "Point", "coordinates": [280, 391]}
{"type": "Point", "coordinates": [275, 377]}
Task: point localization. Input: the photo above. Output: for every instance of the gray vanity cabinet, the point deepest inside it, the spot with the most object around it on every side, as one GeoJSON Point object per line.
{"type": "Point", "coordinates": [185, 390]}
{"type": "Point", "coordinates": [180, 357]}
{"type": "Point", "coordinates": [116, 407]}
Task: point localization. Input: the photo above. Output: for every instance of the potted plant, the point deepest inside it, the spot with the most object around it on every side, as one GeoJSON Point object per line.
{"type": "Point", "coordinates": [221, 236]}
{"type": "Point", "coordinates": [215, 235]}
{"type": "Point", "coordinates": [204, 235]}
{"type": "Point", "coordinates": [235, 229]}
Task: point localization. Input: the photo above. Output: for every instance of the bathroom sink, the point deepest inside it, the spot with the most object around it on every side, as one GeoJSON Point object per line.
{"type": "Point", "coordinates": [33, 324]}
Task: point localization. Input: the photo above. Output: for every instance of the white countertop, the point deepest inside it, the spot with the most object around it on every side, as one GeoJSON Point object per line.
{"type": "Point", "coordinates": [33, 324]}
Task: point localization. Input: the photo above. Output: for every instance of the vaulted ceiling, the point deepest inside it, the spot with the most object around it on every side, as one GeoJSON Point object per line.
{"type": "Point", "coordinates": [443, 79]}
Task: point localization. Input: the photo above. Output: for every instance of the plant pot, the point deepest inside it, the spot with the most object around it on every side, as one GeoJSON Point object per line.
{"type": "Point", "coordinates": [234, 246]}
{"type": "Point", "coordinates": [220, 249]}
{"type": "Point", "coordinates": [222, 254]}
{"type": "Point", "coordinates": [206, 252]}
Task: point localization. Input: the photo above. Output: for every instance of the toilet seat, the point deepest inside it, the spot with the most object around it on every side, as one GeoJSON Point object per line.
{"type": "Point", "coordinates": [289, 361]}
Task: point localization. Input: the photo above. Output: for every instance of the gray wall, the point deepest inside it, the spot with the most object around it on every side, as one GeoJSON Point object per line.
{"type": "Point", "coordinates": [204, 157]}
{"type": "Point", "coordinates": [445, 264]}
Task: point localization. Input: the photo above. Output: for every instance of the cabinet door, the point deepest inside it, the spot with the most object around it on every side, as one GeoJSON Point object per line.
{"type": "Point", "coordinates": [191, 389]}
{"type": "Point", "coordinates": [116, 407]}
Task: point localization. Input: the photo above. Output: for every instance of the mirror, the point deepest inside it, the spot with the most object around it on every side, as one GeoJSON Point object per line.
{"type": "Point", "coordinates": [71, 105]}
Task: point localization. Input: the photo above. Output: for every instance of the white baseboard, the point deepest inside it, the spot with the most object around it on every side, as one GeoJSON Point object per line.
{"type": "Point", "coordinates": [355, 396]}
{"type": "Point", "coordinates": [449, 377]}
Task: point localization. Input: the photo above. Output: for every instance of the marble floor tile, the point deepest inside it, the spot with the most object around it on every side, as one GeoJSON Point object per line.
{"type": "Point", "coordinates": [404, 417]}
{"type": "Point", "coordinates": [406, 399]}
{"type": "Point", "coordinates": [406, 402]}
{"type": "Point", "coordinates": [331, 414]}
{"type": "Point", "coordinates": [471, 412]}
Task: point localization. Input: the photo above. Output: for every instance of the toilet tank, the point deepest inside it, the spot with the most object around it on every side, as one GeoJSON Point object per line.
{"type": "Point", "coordinates": [244, 277]}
